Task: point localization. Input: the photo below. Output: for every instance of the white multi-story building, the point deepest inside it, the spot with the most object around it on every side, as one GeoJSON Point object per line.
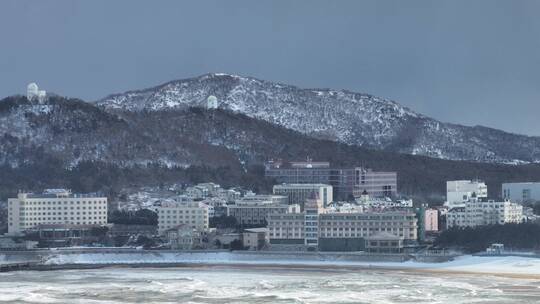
{"type": "Point", "coordinates": [460, 191]}
{"type": "Point", "coordinates": [299, 193]}
{"type": "Point", "coordinates": [521, 192]}
{"type": "Point", "coordinates": [55, 206]}
{"type": "Point", "coordinates": [477, 212]}
{"type": "Point", "coordinates": [191, 214]}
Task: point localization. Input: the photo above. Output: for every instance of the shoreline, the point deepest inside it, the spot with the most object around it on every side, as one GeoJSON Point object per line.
{"type": "Point", "coordinates": [276, 266]}
{"type": "Point", "coordinates": [45, 260]}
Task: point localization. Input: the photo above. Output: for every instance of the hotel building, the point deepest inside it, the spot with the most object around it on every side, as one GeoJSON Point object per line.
{"type": "Point", "coordinates": [55, 206]}
{"type": "Point", "coordinates": [335, 231]}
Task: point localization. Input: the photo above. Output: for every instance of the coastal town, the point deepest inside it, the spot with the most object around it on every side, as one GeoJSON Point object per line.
{"type": "Point", "coordinates": [314, 207]}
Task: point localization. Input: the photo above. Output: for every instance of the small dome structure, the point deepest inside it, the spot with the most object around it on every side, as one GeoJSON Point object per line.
{"type": "Point", "coordinates": [211, 102]}
{"type": "Point", "coordinates": [33, 92]}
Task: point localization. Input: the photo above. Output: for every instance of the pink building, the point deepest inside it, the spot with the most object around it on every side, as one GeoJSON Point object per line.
{"type": "Point", "coordinates": [431, 219]}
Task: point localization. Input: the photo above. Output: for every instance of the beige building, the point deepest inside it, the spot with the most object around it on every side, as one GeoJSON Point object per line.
{"type": "Point", "coordinates": [332, 228]}
{"type": "Point", "coordinates": [173, 214]}
{"type": "Point", "coordinates": [351, 225]}
{"type": "Point", "coordinates": [55, 206]}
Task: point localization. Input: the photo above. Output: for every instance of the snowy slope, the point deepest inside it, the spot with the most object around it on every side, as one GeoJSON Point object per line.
{"type": "Point", "coordinates": [343, 116]}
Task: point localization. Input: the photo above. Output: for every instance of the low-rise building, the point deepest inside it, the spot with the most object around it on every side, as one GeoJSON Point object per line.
{"type": "Point", "coordinates": [55, 206]}
{"type": "Point", "coordinates": [384, 242]}
{"type": "Point", "coordinates": [255, 238]}
{"type": "Point", "coordinates": [477, 212]}
{"type": "Point", "coordinates": [191, 214]}
{"type": "Point", "coordinates": [182, 237]}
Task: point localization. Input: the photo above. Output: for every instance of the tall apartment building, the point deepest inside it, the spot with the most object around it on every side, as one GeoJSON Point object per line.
{"type": "Point", "coordinates": [254, 213]}
{"type": "Point", "coordinates": [460, 191]}
{"type": "Point", "coordinates": [339, 231]}
{"type": "Point", "coordinates": [521, 192]}
{"type": "Point", "coordinates": [173, 214]}
{"type": "Point", "coordinates": [346, 182]}
{"type": "Point", "coordinates": [478, 212]}
{"type": "Point", "coordinates": [55, 206]}
{"type": "Point", "coordinates": [299, 193]}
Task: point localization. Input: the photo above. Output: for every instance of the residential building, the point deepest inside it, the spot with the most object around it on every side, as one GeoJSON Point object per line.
{"type": "Point", "coordinates": [460, 191]}
{"type": "Point", "coordinates": [191, 214]}
{"type": "Point", "coordinates": [345, 182]}
{"type": "Point", "coordinates": [521, 192]}
{"type": "Point", "coordinates": [55, 206]}
{"type": "Point", "coordinates": [299, 193]}
{"type": "Point", "coordinates": [476, 212]}
{"type": "Point", "coordinates": [254, 212]}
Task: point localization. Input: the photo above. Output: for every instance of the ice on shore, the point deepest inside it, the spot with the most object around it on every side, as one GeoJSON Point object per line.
{"type": "Point", "coordinates": [492, 265]}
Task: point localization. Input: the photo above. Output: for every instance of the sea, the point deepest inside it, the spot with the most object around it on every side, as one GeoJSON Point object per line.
{"type": "Point", "coordinates": [228, 284]}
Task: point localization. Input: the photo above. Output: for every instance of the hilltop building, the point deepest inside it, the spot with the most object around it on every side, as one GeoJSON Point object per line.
{"type": "Point", "coordinates": [212, 102]}
{"type": "Point", "coordinates": [33, 93]}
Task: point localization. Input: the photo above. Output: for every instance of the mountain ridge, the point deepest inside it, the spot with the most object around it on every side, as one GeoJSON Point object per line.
{"type": "Point", "coordinates": [341, 115]}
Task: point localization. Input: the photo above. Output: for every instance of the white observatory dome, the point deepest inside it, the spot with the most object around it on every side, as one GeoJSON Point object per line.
{"type": "Point", "coordinates": [211, 102]}
{"type": "Point", "coordinates": [32, 91]}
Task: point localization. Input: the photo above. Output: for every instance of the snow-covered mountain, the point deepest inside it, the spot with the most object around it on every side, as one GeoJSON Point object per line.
{"type": "Point", "coordinates": [339, 115]}
{"type": "Point", "coordinates": [70, 142]}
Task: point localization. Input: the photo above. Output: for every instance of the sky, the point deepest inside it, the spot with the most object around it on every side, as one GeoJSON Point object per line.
{"type": "Point", "coordinates": [466, 62]}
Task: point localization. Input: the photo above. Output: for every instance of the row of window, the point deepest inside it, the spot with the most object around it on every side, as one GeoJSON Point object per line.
{"type": "Point", "coordinates": [61, 202]}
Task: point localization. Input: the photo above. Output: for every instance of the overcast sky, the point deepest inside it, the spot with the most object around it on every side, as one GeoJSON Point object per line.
{"type": "Point", "coordinates": [467, 62]}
